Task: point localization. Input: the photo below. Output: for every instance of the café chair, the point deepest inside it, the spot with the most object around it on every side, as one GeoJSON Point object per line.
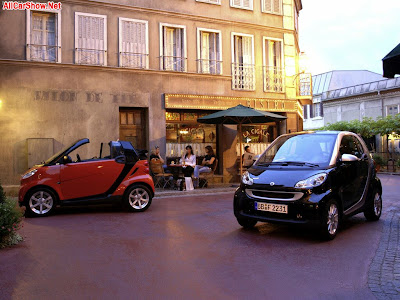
{"type": "Point", "coordinates": [205, 177]}
{"type": "Point", "coordinates": [161, 179]}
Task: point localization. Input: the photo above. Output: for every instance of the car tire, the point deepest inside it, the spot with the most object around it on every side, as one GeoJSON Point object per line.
{"type": "Point", "coordinates": [373, 208]}
{"type": "Point", "coordinates": [40, 202]}
{"type": "Point", "coordinates": [247, 223]}
{"type": "Point", "coordinates": [331, 219]}
{"type": "Point", "coordinates": [137, 198]}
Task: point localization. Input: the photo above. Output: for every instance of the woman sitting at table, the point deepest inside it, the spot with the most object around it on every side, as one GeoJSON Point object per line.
{"type": "Point", "coordinates": [207, 165]}
{"type": "Point", "coordinates": [188, 162]}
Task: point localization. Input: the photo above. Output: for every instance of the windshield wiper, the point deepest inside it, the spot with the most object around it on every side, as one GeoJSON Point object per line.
{"type": "Point", "coordinates": [286, 163]}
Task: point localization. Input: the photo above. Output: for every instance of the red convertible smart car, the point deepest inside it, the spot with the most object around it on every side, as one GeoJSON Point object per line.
{"type": "Point", "coordinates": [120, 175]}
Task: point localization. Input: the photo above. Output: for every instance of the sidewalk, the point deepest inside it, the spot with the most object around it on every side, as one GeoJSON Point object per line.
{"type": "Point", "coordinates": [219, 189]}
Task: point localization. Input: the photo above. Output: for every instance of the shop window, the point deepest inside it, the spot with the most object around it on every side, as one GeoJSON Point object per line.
{"type": "Point", "coordinates": [133, 43]}
{"type": "Point", "coordinates": [258, 137]}
{"type": "Point", "coordinates": [43, 37]}
{"type": "Point", "coordinates": [209, 56]}
{"type": "Point", "coordinates": [173, 48]}
{"type": "Point", "coordinates": [90, 39]}
{"type": "Point", "coordinates": [243, 69]}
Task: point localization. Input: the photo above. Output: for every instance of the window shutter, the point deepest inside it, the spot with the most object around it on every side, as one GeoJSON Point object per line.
{"type": "Point", "coordinates": [237, 2]}
{"type": "Point", "coordinates": [321, 109]}
{"type": "Point", "coordinates": [267, 5]}
{"type": "Point", "coordinates": [277, 6]}
{"type": "Point", "coordinates": [133, 46]}
{"type": "Point", "coordinates": [247, 3]}
{"type": "Point", "coordinates": [305, 112]}
{"type": "Point", "coordinates": [247, 50]}
{"type": "Point", "coordinates": [91, 38]}
{"type": "Point", "coordinates": [311, 110]}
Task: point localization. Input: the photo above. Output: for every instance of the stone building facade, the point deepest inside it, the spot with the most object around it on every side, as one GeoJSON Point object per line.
{"type": "Point", "coordinates": [144, 71]}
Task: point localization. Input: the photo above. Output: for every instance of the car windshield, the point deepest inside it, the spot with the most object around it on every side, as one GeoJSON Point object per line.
{"type": "Point", "coordinates": [301, 149]}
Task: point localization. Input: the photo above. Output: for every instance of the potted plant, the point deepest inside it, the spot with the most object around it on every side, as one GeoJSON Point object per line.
{"type": "Point", "coordinates": [379, 161]}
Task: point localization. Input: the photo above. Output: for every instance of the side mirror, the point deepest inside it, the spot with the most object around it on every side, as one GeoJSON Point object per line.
{"type": "Point", "coordinates": [121, 159]}
{"type": "Point", "coordinates": [349, 158]}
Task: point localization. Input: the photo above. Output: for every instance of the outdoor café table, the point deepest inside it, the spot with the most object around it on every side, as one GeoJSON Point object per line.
{"type": "Point", "coordinates": [176, 170]}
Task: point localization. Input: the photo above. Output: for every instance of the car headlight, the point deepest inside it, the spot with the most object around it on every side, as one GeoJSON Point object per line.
{"type": "Point", "coordinates": [29, 174]}
{"type": "Point", "coordinates": [246, 179]}
{"type": "Point", "coordinates": [312, 181]}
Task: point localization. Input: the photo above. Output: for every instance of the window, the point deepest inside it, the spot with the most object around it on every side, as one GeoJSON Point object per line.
{"type": "Point", "coordinates": [243, 70]}
{"type": "Point", "coordinates": [90, 39]}
{"type": "Point", "coordinates": [348, 146]}
{"type": "Point", "coordinates": [43, 40]}
{"type": "Point", "coordinates": [272, 6]}
{"type": "Point", "coordinates": [273, 68]}
{"type": "Point", "coordinates": [316, 109]}
{"type": "Point", "coordinates": [244, 4]}
{"type": "Point", "coordinates": [210, 1]}
{"type": "Point", "coordinates": [133, 43]}
{"type": "Point", "coordinates": [209, 51]}
{"type": "Point", "coordinates": [392, 110]}
{"type": "Point", "coordinates": [172, 47]}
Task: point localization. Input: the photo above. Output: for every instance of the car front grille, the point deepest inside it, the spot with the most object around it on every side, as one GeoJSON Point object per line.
{"type": "Point", "coordinates": [274, 195]}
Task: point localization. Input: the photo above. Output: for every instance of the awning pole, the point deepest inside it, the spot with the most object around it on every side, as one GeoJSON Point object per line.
{"type": "Point", "coordinates": [240, 151]}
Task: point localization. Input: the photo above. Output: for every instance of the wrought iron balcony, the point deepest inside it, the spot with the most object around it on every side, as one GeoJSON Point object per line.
{"type": "Point", "coordinates": [304, 85]}
{"type": "Point", "coordinates": [133, 60]}
{"type": "Point", "coordinates": [243, 77]}
{"type": "Point", "coordinates": [86, 56]}
{"type": "Point", "coordinates": [273, 79]}
{"type": "Point", "coordinates": [173, 63]}
{"type": "Point", "coordinates": [43, 52]}
{"type": "Point", "coordinates": [209, 66]}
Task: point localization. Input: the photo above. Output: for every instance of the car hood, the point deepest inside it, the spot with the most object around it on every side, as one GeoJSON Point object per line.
{"type": "Point", "coordinates": [285, 176]}
{"type": "Point", "coordinates": [55, 158]}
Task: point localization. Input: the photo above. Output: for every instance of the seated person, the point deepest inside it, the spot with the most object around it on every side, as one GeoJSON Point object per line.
{"type": "Point", "coordinates": [156, 156]}
{"type": "Point", "coordinates": [188, 162]}
{"type": "Point", "coordinates": [248, 157]}
{"type": "Point", "coordinates": [207, 165]}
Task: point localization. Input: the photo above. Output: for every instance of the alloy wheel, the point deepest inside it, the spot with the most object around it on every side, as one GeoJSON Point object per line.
{"type": "Point", "coordinates": [333, 219]}
{"type": "Point", "coordinates": [377, 204]}
{"type": "Point", "coordinates": [138, 198]}
{"type": "Point", "coordinates": [41, 202]}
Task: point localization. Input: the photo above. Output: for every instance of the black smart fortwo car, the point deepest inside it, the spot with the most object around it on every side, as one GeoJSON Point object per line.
{"type": "Point", "coordinates": [310, 177]}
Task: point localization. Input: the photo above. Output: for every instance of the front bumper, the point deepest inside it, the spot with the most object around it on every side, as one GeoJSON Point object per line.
{"type": "Point", "coordinates": [305, 210]}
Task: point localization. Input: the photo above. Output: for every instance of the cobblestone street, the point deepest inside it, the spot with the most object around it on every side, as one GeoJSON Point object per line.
{"type": "Point", "coordinates": [384, 272]}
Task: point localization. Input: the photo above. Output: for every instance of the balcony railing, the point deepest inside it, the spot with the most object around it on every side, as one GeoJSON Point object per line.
{"type": "Point", "coordinates": [369, 87]}
{"type": "Point", "coordinates": [209, 66]}
{"type": "Point", "coordinates": [304, 85]}
{"type": "Point", "coordinates": [243, 77]}
{"type": "Point", "coordinates": [43, 52]}
{"type": "Point", "coordinates": [273, 79]}
{"type": "Point", "coordinates": [173, 63]}
{"type": "Point", "coordinates": [133, 60]}
{"type": "Point", "coordinates": [85, 56]}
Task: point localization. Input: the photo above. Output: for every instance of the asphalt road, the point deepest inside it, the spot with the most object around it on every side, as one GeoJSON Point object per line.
{"type": "Point", "coordinates": [187, 248]}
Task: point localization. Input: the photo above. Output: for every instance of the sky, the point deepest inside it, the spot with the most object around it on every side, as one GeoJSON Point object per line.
{"type": "Point", "coordinates": [348, 34]}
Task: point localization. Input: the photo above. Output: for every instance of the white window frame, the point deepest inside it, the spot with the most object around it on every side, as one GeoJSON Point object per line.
{"type": "Point", "coordinates": [263, 9]}
{"type": "Point", "coordinates": [387, 109]}
{"type": "Point", "coordinates": [28, 31]}
{"type": "Point", "coordinates": [199, 30]}
{"type": "Point", "coordinates": [218, 2]}
{"type": "Point", "coordinates": [233, 34]}
{"type": "Point", "coordinates": [120, 20]}
{"type": "Point", "coordinates": [77, 33]}
{"type": "Point", "coordinates": [162, 25]}
{"type": "Point", "coordinates": [266, 38]}
{"type": "Point", "coordinates": [241, 6]}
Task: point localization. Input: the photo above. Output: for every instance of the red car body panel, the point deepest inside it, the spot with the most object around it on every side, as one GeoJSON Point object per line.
{"type": "Point", "coordinates": [97, 178]}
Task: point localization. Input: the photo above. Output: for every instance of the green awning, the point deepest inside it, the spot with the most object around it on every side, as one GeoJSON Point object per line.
{"type": "Point", "coordinates": [391, 63]}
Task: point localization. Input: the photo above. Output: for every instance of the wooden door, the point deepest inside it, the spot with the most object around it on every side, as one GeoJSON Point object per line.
{"type": "Point", "coordinates": [132, 127]}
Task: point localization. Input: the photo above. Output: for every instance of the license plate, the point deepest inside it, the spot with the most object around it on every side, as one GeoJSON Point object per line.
{"type": "Point", "coordinates": [277, 208]}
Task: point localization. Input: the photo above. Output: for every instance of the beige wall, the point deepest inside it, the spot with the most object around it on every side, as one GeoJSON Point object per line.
{"type": "Point", "coordinates": [25, 112]}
